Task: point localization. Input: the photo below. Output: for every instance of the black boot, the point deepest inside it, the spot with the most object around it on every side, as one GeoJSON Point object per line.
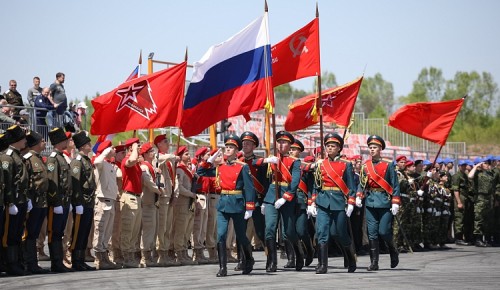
{"type": "Point", "coordinates": [319, 258]}
{"type": "Point", "coordinates": [323, 259]}
{"type": "Point", "coordinates": [76, 260]}
{"type": "Point", "coordinates": [299, 254]}
{"type": "Point", "coordinates": [31, 258]}
{"type": "Point", "coordinates": [374, 253]}
{"type": "Point", "coordinates": [351, 259]}
{"type": "Point", "coordinates": [82, 262]}
{"type": "Point", "coordinates": [247, 259]}
{"type": "Point", "coordinates": [290, 254]}
{"type": "Point", "coordinates": [346, 259]}
{"type": "Point", "coordinates": [56, 258]}
{"type": "Point", "coordinates": [222, 253]}
{"type": "Point", "coordinates": [479, 241]}
{"type": "Point", "coordinates": [309, 251]}
{"type": "Point", "coordinates": [272, 254]}
{"type": "Point", "coordinates": [13, 266]}
{"type": "Point", "coordinates": [393, 251]}
{"type": "Point", "coordinates": [239, 266]}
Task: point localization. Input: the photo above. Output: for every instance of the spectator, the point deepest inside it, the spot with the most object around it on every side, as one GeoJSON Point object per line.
{"type": "Point", "coordinates": [44, 101]}
{"type": "Point", "coordinates": [35, 91]}
{"type": "Point", "coordinates": [5, 114]}
{"type": "Point", "coordinates": [59, 94]}
{"type": "Point", "coordinates": [81, 110]}
{"type": "Point", "coordinates": [24, 118]}
{"type": "Point", "coordinates": [13, 97]}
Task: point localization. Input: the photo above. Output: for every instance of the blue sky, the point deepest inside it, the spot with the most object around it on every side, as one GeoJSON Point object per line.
{"type": "Point", "coordinates": [97, 43]}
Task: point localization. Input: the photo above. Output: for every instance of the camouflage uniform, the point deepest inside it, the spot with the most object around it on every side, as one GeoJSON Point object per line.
{"type": "Point", "coordinates": [463, 218]}
{"type": "Point", "coordinates": [485, 182]}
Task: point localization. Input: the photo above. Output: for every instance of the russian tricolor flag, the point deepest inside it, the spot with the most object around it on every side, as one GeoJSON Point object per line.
{"type": "Point", "coordinates": [232, 78]}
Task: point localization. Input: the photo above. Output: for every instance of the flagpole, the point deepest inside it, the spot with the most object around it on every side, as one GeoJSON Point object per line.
{"type": "Point", "coordinates": [319, 101]}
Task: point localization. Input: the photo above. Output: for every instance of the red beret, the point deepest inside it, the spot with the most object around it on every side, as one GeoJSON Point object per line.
{"type": "Point", "coordinates": [309, 159]}
{"type": "Point", "coordinates": [181, 150]}
{"type": "Point", "coordinates": [356, 157]}
{"type": "Point", "coordinates": [103, 146]}
{"type": "Point", "coordinates": [400, 157]}
{"type": "Point", "coordinates": [119, 148]}
{"type": "Point", "coordinates": [200, 152]}
{"type": "Point", "coordinates": [145, 148]}
{"type": "Point", "coordinates": [409, 163]}
{"type": "Point", "coordinates": [131, 141]}
{"type": "Point", "coordinates": [159, 138]}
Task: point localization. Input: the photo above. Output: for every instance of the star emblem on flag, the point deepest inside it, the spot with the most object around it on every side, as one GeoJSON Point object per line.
{"type": "Point", "coordinates": [137, 97]}
{"type": "Point", "coordinates": [328, 101]}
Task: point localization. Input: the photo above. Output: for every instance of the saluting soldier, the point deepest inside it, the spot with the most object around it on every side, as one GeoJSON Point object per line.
{"type": "Point", "coordinates": [380, 188]}
{"type": "Point", "coordinates": [334, 199]}
{"type": "Point", "coordinates": [58, 198]}
{"type": "Point", "coordinates": [37, 192]}
{"type": "Point", "coordinates": [237, 202]}
{"type": "Point", "coordinates": [281, 201]}
{"type": "Point", "coordinates": [16, 180]}
{"type": "Point", "coordinates": [83, 200]}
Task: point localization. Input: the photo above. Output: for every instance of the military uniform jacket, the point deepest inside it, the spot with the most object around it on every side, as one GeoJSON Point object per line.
{"type": "Point", "coordinates": [16, 177]}
{"type": "Point", "coordinates": [60, 188]}
{"type": "Point", "coordinates": [38, 182]}
{"type": "Point", "coordinates": [105, 174]}
{"type": "Point", "coordinates": [2, 184]}
{"type": "Point", "coordinates": [83, 181]}
{"type": "Point", "coordinates": [206, 184]}
{"type": "Point", "coordinates": [258, 170]}
{"type": "Point", "coordinates": [485, 181]}
{"type": "Point", "coordinates": [306, 186]}
{"type": "Point", "coordinates": [334, 186]}
{"type": "Point", "coordinates": [461, 183]}
{"type": "Point", "coordinates": [236, 186]}
{"type": "Point", "coordinates": [168, 176]}
{"type": "Point", "coordinates": [149, 188]}
{"type": "Point", "coordinates": [288, 173]}
{"type": "Point", "coordinates": [373, 192]}
{"type": "Point", "coordinates": [184, 184]}
{"type": "Point", "coordinates": [14, 98]}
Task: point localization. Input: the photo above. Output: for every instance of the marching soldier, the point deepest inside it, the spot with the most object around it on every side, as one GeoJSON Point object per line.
{"type": "Point", "coordinates": [16, 181]}
{"type": "Point", "coordinates": [281, 201]}
{"type": "Point", "coordinates": [84, 185]}
{"type": "Point", "coordinates": [104, 213]}
{"type": "Point", "coordinates": [237, 202]}
{"type": "Point", "coordinates": [333, 201]}
{"type": "Point", "coordinates": [380, 188]}
{"type": "Point", "coordinates": [38, 186]}
{"type": "Point", "coordinates": [166, 163]}
{"type": "Point", "coordinates": [58, 198]}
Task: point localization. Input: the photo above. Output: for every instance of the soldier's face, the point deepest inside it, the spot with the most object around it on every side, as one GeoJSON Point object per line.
{"type": "Point", "coordinates": [248, 147]}
{"type": "Point", "coordinates": [332, 149]}
{"type": "Point", "coordinates": [230, 151]}
{"type": "Point", "coordinates": [284, 146]}
{"type": "Point", "coordinates": [120, 155]}
{"type": "Point", "coordinates": [402, 164]}
{"type": "Point", "coordinates": [374, 150]}
{"type": "Point", "coordinates": [185, 157]}
{"type": "Point", "coordinates": [295, 152]}
{"type": "Point", "coordinates": [411, 168]}
{"type": "Point", "coordinates": [163, 146]}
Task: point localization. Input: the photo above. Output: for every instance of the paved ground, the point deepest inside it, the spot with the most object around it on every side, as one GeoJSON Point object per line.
{"type": "Point", "coordinates": [458, 268]}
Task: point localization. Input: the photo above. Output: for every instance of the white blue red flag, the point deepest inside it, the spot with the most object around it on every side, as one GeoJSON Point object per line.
{"type": "Point", "coordinates": [134, 74]}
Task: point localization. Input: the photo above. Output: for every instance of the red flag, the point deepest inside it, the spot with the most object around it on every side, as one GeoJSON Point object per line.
{"type": "Point", "coordinates": [429, 121]}
{"type": "Point", "coordinates": [338, 104]}
{"type": "Point", "coordinates": [151, 101]}
{"type": "Point", "coordinates": [297, 56]}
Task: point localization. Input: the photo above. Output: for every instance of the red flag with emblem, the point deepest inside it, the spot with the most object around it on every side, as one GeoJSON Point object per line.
{"type": "Point", "coordinates": [151, 101]}
{"type": "Point", "coordinates": [338, 104]}
{"type": "Point", "coordinates": [297, 56]}
{"type": "Point", "coordinates": [429, 121]}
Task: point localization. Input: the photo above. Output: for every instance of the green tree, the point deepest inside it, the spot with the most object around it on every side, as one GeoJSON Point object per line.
{"type": "Point", "coordinates": [375, 91]}
{"type": "Point", "coordinates": [429, 86]}
{"type": "Point", "coordinates": [284, 95]}
{"type": "Point", "coordinates": [328, 81]}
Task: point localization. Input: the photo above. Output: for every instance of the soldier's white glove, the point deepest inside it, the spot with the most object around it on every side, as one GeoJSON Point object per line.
{"type": "Point", "coordinates": [419, 210]}
{"type": "Point", "coordinates": [262, 209]}
{"type": "Point", "coordinates": [429, 210]}
{"type": "Point", "coordinates": [248, 214]}
{"type": "Point", "coordinates": [13, 209]}
{"type": "Point", "coordinates": [70, 207]}
{"type": "Point", "coordinates": [312, 210]}
{"type": "Point", "coordinates": [212, 158]}
{"type": "Point", "coordinates": [420, 192]}
{"type": "Point", "coordinates": [106, 151]}
{"type": "Point", "coordinates": [445, 212]}
{"type": "Point", "coordinates": [271, 159]}
{"type": "Point", "coordinates": [411, 180]}
{"type": "Point", "coordinates": [79, 209]}
{"type": "Point", "coordinates": [359, 202]}
{"type": "Point", "coordinates": [429, 174]}
{"type": "Point", "coordinates": [395, 209]}
{"type": "Point", "coordinates": [279, 203]}
{"type": "Point", "coordinates": [30, 205]}
{"type": "Point", "coordinates": [58, 210]}
{"type": "Point", "coordinates": [349, 209]}
{"type": "Point", "coordinates": [438, 213]}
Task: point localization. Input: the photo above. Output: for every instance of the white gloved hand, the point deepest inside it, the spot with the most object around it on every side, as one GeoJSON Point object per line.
{"type": "Point", "coordinates": [314, 211]}
{"type": "Point", "coordinates": [411, 180]}
{"type": "Point", "coordinates": [271, 159]}
{"type": "Point", "coordinates": [395, 209]}
{"type": "Point", "coordinates": [418, 210]}
{"type": "Point", "coordinates": [438, 213]}
{"type": "Point", "coordinates": [79, 209]}
{"type": "Point", "coordinates": [420, 192]}
{"type": "Point", "coordinates": [445, 212]}
{"type": "Point", "coordinates": [429, 210]}
{"type": "Point", "coordinates": [212, 158]}
{"type": "Point", "coordinates": [263, 209]}
{"type": "Point", "coordinates": [359, 202]}
{"type": "Point", "coordinates": [58, 210]}
{"type": "Point", "coordinates": [310, 210]}
{"type": "Point", "coordinates": [13, 209]}
{"type": "Point", "coordinates": [70, 207]}
{"type": "Point", "coordinates": [279, 203]}
{"type": "Point", "coordinates": [106, 151]}
{"type": "Point", "coordinates": [429, 174]}
{"type": "Point", "coordinates": [248, 214]}
{"type": "Point", "coordinates": [30, 205]}
{"type": "Point", "coordinates": [349, 209]}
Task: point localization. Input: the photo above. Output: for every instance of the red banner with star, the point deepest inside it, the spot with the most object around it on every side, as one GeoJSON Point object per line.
{"type": "Point", "coordinates": [151, 101]}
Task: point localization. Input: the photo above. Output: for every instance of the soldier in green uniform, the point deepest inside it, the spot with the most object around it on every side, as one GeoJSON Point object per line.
{"type": "Point", "coordinates": [83, 200]}
{"type": "Point", "coordinates": [333, 198]}
{"type": "Point", "coordinates": [380, 188]}
{"type": "Point", "coordinates": [442, 206]}
{"type": "Point", "coordinates": [37, 193]}
{"type": "Point", "coordinates": [430, 219]}
{"type": "Point", "coordinates": [485, 182]}
{"type": "Point", "coordinates": [237, 202]}
{"type": "Point", "coordinates": [464, 205]}
{"type": "Point", "coordinates": [3, 146]}
{"type": "Point", "coordinates": [58, 198]}
{"type": "Point", "coordinates": [406, 206]}
{"type": "Point", "coordinates": [16, 180]}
